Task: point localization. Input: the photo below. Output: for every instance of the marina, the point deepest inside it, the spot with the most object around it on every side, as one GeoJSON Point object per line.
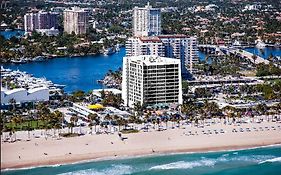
{"type": "Point", "coordinates": [77, 73]}
{"type": "Point", "coordinates": [24, 80]}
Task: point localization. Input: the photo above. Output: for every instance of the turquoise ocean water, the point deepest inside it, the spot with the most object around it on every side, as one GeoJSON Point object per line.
{"type": "Point", "coordinates": [258, 161]}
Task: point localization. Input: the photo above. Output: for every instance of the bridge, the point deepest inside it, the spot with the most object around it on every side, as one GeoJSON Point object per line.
{"type": "Point", "coordinates": [234, 51]}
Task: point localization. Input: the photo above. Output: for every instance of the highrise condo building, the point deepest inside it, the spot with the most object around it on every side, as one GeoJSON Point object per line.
{"type": "Point", "coordinates": [151, 80]}
{"type": "Point", "coordinates": [173, 46]}
{"type": "Point", "coordinates": [75, 20]}
{"type": "Point", "coordinates": [40, 21]}
{"type": "Point", "coordinates": [146, 21]}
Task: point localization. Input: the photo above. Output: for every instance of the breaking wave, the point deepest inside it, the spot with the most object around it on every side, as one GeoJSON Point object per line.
{"type": "Point", "coordinates": [184, 165]}
{"type": "Point", "coordinates": [211, 162]}
{"type": "Point", "coordinates": [113, 170]}
{"type": "Point", "coordinates": [277, 159]}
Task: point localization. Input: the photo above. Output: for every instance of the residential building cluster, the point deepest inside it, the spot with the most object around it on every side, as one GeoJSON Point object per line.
{"type": "Point", "coordinates": [155, 64]}
{"type": "Point", "coordinates": [147, 40]}
{"type": "Point", "coordinates": [173, 46]}
{"type": "Point", "coordinates": [74, 20]}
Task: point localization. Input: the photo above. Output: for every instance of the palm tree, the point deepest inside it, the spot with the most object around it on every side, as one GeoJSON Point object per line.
{"type": "Point", "coordinates": [254, 57]}
{"type": "Point", "coordinates": [73, 121]}
{"type": "Point", "coordinates": [229, 110]}
{"type": "Point", "coordinates": [92, 117]}
{"type": "Point", "coordinates": [58, 120]}
{"type": "Point", "coordinates": [118, 121]}
{"type": "Point", "coordinates": [12, 101]}
{"type": "Point", "coordinates": [137, 107]}
{"type": "Point", "coordinates": [14, 121]}
{"type": "Point", "coordinates": [108, 118]}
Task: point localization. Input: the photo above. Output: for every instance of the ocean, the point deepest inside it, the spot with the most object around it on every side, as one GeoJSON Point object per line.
{"type": "Point", "coordinates": [257, 161]}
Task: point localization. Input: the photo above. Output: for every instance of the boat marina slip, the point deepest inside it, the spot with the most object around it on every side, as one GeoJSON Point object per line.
{"type": "Point", "coordinates": [77, 73]}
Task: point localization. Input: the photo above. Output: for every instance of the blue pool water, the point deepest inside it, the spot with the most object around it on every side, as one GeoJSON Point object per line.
{"type": "Point", "coordinates": [260, 161]}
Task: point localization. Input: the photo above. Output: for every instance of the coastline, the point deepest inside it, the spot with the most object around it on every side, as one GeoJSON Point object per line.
{"type": "Point", "coordinates": [57, 162]}
{"type": "Point", "coordinates": [90, 158]}
{"type": "Point", "coordinates": [98, 147]}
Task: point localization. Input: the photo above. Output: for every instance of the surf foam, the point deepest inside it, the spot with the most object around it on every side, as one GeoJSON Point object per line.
{"type": "Point", "coordinates": [184, 165]}
{"type": "Point", "coordinates": [114, 170]}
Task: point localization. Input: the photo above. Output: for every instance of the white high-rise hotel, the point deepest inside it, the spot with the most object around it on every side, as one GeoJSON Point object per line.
{"type": "Point", "coordinates": [151, 80]}
{"type": "Point", "coordinates": [146, 21]}
{"type": "Point", "coordinates": [75, 20]}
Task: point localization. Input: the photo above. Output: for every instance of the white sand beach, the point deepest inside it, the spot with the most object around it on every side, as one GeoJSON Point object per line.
{"type": "Point", "coordinates": [39, 151]}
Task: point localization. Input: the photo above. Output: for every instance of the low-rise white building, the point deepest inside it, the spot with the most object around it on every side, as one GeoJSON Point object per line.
{"type": "Point", "coordinates": [22, 95]}
{"type": "Point", "coordinates": [151, 80]}
{"type": "Point", "coordinates": [48, 32]}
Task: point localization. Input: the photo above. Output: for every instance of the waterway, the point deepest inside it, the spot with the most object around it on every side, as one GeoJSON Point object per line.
{"type": "Point", "coordinates": [11, 33]}
{"type": "Point", "coordinates": [82, 73]}
{"type": "Point", "coordinates": [77, 73]}
{"type": "Point", "coordinates": [266, 52]}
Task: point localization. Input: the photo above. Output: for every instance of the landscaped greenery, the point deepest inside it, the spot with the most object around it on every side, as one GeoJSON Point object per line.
{"type": "Point", "coordinates": [267, 69]}
{"type": "Point", "coordinates": [25, 125]}
{"type": "Point", "coordinates": [129, 131]}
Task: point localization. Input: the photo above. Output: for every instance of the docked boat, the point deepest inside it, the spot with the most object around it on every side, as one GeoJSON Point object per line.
{"type": "Point", "coordinates": [117, 48]}
{"type": "Point", "coordinates": [109, 51]}
{"type": "Point", "coordinates": [277, 45]}
{"type": "Point", "coordinates": [236, 44]}
{"type": "Point", "coordinates": [19, 61]}
{"type": "Point", "coordinates": [260, 44]}
{"type": "Point", "coordinates": [38, 58]}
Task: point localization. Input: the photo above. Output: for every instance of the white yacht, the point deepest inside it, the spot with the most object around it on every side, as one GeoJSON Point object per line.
{"type": "Point", "coordinates": [236, 44]}
{"type": "Point", "coordinates": [38, 58]}
{"type": "Point", "coordinates": [117, 48]}
{"type": "Point", "coordinates": [109, 51]}
{"type": "Point", "coordinates": [260, 44]}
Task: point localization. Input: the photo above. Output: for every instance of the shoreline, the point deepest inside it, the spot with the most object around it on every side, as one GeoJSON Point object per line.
{"type": "Point", "coordinates": [88, 148]}
{"type": "Point", "coordinates": [86, 159]}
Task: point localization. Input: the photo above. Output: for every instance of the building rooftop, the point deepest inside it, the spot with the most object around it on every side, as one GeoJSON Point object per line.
{"type": "Point", "coordinates": [173, 36]}
{"type": "Point", "coordinates": [150, 39]}
{"type": "Point", "coordinates": [75, 9]}
{"type": "Point", "coordinates": [37, 89]}
{"type": "Point", "coordinates": [154, 60]}
{"type": "Point", "coordinates": [8, 92]}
